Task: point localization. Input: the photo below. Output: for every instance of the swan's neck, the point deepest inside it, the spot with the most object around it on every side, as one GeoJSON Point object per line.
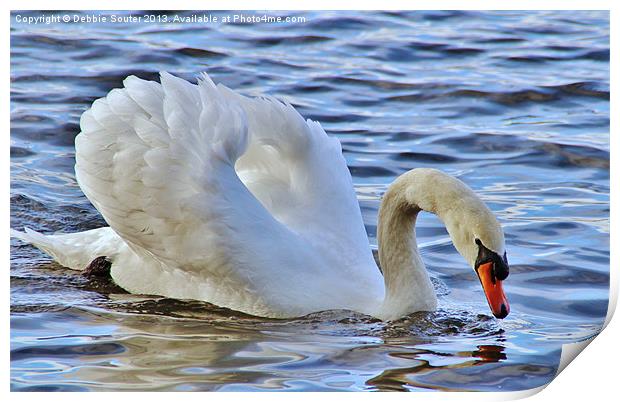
{"type": "Point", "coordinates": [407, 284]}
{"type": "Point", "coordinates": [468, 220]}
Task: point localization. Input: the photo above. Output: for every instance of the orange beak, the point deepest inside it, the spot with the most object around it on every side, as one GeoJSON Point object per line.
{"type": "Point", "coordinates": [493, 290]}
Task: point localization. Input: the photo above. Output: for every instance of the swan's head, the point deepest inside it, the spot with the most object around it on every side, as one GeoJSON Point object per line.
{"type": "Point", "coordinates": [479, 238]}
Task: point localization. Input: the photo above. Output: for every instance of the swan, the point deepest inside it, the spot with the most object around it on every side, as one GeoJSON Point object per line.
{"type": "Point", "coordinates": [240, 202]}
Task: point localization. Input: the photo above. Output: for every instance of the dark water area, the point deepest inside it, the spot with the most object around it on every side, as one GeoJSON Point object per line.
{"type": "Point", "coordinates": [516, 104]}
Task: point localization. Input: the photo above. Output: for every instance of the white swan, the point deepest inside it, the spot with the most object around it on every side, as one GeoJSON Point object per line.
{"type": "Point", "coordinates": [214, 196]}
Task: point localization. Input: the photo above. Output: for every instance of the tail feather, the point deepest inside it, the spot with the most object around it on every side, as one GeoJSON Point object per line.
{"type": "Point", "coordinates": [74, 250]}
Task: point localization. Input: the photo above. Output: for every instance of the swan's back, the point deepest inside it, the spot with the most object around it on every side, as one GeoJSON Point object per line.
{"type": "Point", "coordinates": [232, 200]}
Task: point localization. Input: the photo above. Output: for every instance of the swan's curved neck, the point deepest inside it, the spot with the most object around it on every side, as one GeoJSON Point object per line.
{"type": "Point", "coordinates": [407, 284]}
{"type": "Point", "coordinates": [468, 221]}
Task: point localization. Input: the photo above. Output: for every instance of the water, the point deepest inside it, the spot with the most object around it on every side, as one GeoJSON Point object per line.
{"type": "Point", "coordinates": [516, 104]}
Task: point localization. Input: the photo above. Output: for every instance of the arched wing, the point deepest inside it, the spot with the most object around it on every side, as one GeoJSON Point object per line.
{"type": "Point", "coordinates": [206, 180]}
{"type": "Point", "coordinates": [158, 163]}
{"type": "Point", "coordinates": [299, 174]}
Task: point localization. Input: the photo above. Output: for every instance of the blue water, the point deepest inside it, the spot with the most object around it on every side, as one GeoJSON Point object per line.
{"type": "Point", "coordinates": [516, 104]}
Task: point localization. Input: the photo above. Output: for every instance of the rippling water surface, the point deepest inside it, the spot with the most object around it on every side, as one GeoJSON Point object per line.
{"type": "Point", "coordinates": [516, 104]}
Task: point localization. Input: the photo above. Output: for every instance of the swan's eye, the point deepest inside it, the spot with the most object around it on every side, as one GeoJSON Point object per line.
{"type": "Point", "coordinates": [484, 254]}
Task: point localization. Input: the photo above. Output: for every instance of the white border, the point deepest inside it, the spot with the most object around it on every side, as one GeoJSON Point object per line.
{"type": "Point", "coordinates": [593, 376]}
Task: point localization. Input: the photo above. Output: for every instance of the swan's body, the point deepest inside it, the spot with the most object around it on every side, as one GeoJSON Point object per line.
{"type": "Point", "coordinates": [240, 202]}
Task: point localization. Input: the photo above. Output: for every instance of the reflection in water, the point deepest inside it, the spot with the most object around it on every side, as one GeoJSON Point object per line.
{"type": "Point", "coordinates": [400, 379]}
{"type": "Point", "coordinates": [489, 353]}
{"type": "Point", "coordinates": [519, 110]}
{"type": "Point", "coordinates": [139, 342]}
{"type": "Point", "coordinates": [460, 372]}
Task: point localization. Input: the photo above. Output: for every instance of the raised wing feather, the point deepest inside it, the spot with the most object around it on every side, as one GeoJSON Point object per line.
{"type": "Point", "coordinates": [207, 181]}
{"type": "Point", "coordinates": [300, 175]}
{"type": "Point", "coordinates": [156, 160]}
